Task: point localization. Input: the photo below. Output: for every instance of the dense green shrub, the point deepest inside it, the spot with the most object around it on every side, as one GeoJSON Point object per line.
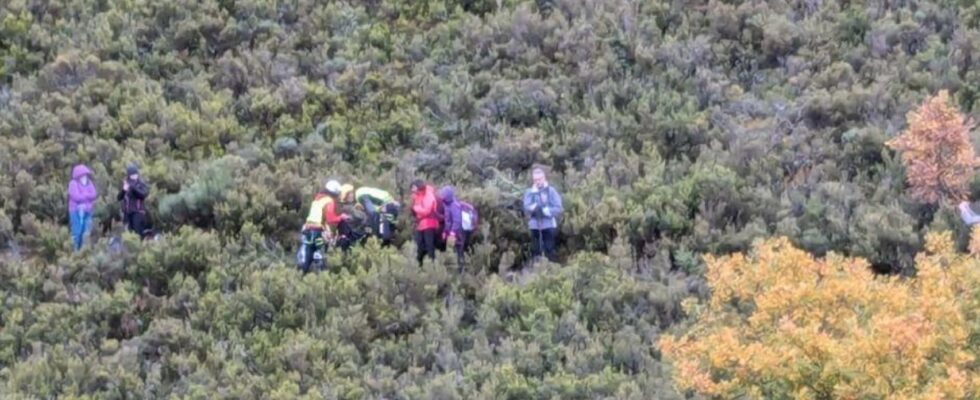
{"type": "Point", "coordinates": [672, 131]}
{"type": "Point", "coordinates": [376, 326]}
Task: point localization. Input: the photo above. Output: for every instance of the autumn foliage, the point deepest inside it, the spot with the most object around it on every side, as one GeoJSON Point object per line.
{"type": "Point", "coordinates": [783, 324]}
{"type": "Point", "coordinates": [974, 245]}
{"type": "Point", "coordinates": [937, 152]}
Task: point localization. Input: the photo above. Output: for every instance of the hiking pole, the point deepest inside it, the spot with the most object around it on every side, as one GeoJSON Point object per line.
{"type": "Point", "coordinates": [541, 241]}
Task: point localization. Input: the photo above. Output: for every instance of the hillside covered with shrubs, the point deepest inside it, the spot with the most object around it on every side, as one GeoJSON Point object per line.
{"type": "Point", "coordinates": [674, 130]}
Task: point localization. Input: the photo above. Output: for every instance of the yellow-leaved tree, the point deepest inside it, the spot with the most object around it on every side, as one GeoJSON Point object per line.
{"type": "Point", "coordinates": [936, 150]}
{"type": "Point", "coordinates": [781, 324]}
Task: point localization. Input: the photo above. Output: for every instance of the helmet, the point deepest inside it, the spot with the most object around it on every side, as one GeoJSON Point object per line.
{"type": "Point", "coordinates": [333, 187]}
{"type": "Point", "coordinates": [345, 189]}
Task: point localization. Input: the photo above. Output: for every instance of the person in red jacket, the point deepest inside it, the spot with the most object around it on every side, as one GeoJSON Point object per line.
{"type": "Point", "coordinates": [425, 208]}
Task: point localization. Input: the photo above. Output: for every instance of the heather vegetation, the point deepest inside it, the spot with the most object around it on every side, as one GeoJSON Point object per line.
{"type": "Point", "coordinates": [674, 130]}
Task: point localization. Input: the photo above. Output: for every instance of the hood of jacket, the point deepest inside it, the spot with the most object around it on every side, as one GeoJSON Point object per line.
{"type": "Point", "coordinates": [425, 191]}
{"type": "Point", "coordinates": [81, 197]}
{"type": "Point", "coordinates": [79, 171]}
{"type": "Point", "coordinates": [448, 194]}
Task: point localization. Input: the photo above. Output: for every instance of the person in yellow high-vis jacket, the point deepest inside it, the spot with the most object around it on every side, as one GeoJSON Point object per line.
{"type": "Point", "coordinates": [380, 207]}
{"type": "Point", "coordinates": [322, 217]}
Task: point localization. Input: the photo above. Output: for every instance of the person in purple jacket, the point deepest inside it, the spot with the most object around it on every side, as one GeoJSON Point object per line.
{"type": "Point", "coordinates": [81, 198]}
{"type": "Point", "coordinates": [453, 233]}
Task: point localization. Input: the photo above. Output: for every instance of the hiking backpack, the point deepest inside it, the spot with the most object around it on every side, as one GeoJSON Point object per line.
{"type": "Point", "coordinates": [469, 216]}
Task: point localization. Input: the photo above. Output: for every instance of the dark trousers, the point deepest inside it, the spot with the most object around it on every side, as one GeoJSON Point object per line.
{"type": "Point", "coordinates": [312, 241]}
{"type": "Point", "coordinates": [381, 222]}
{"type": "Point", "coordinates": [426, 244]}
{"type": "Point", "coordinates": [543, 243]}
{"type": "Point", "coordinates": [462, 246]}
{"type": "Point", "coordinates": [389, 216]}
{"type": "Point", "coordinates": [440, 241]}
{"type": "Point", "coordinates": [348, 236]}
{"type": "Point", "coordinates": [136, 223]}
{"type": "Point", "coordinates": [386, 232]}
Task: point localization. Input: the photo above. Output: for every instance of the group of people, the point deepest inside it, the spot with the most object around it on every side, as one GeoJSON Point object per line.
{"type": "Point", "coordinates": [441, 220]}
{"type": "Point", "coordinates": [82, 194]}
{"type": "Point", "coordinates": [327, 214]}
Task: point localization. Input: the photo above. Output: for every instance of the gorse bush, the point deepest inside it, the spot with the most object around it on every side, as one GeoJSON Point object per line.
{"type": "Point", "coordinates": [672, 131]}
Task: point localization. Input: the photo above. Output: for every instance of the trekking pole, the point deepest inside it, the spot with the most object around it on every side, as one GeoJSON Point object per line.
{"type": "Point", "coordinates": [541, 241]}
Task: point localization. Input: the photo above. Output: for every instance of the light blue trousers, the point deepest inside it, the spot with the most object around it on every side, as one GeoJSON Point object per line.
{"type": "Point", "coordinates": [81, 222]}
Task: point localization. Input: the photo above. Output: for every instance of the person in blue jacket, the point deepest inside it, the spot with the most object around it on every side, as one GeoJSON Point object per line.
{"type": "Point", "coordinates": [542, 205]}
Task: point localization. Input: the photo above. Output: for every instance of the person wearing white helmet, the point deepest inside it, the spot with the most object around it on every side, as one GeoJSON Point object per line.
{"type": "Point", "coordinates": [322, 217]}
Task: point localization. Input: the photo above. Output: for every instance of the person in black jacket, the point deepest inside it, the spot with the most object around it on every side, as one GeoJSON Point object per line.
{"type": "Point", "coordinates": [133, 196]}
